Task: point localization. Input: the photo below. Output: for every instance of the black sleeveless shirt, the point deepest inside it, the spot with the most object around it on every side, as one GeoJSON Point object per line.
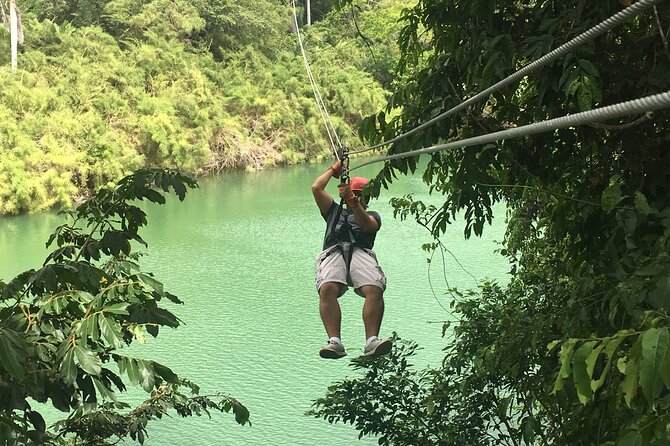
{"type": "Point", "coordinates": [345, 228]}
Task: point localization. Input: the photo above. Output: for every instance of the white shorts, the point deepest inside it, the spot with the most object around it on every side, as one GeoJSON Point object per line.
{"type": "Point", "coordinates": [364, 269]}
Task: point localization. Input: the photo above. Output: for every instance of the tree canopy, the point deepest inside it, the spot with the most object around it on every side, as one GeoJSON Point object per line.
{"type": "Point", "coordinates": [576, 348]}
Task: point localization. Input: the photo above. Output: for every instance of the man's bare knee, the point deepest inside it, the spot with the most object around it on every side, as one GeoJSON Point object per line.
{"type": "Point", "coordinates": [329, 290]}
{"type": "Point", "coordinates": [372, 292]}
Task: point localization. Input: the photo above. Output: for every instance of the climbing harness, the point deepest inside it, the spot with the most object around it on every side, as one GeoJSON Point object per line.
{"type": "Point", "coordinates": [346, 242]}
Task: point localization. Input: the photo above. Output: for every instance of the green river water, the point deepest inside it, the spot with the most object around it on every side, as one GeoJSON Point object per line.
{"type": "Point", "coordinates": [240, 252]}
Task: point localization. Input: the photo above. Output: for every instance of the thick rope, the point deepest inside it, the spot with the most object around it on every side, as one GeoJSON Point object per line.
{"type": "Point", "coordinates": [642, 105]}
{"type": "Point", "coordinates": [325, 116]}
{"type": "Point", "coordinates": [590, 34]}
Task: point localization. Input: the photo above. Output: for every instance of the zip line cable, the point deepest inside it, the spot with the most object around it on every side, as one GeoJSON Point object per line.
{"type": "Point", "coordinates": [602, 27]}
{"type": "Point", "coordinates": [317, 96]}
{"type": "Point", "coordinates": [325, 116]}
{"type": "Point", "coordinates": [635, 106]}
{"type": "Point", "coordinates": [646, 104]}
{"type": "Point", "coordinates": [315, 89]}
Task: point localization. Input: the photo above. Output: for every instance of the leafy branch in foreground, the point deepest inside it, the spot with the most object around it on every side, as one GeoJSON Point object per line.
{"type": "Point", "coordinates": [63, 327]}
{"type": "Point", "coordinates": [387, 401]}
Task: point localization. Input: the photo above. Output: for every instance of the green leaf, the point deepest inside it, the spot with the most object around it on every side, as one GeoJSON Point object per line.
{"type": "Point", "coordinates": [240, 411]}
{"type": "Point", "coordinates": [584, 94]}
{"type": "Point", "coordinates": [502, 408]}
{"type": "Point", "coordinates": [13, 347]}
{"type": "Point", "coordinates": [165, 372]}
{"type": "Point", "coordinates": [553, 344]}
{"type": "Point", "coordinates": [580, 374]}
{"type": "Point", "coordinates": [588, 67]}
{"type": "Point", "coordinates": [632, 438]}
{"type": "Point", "coordinates": [120, 308]}
{"type": "Point", "coordinates": [529, 428]}
{"type": "Point", "coordinates": [82, 296]}
{"type": "Point", "coordinates": [151, 282]}
{"type": "Point", "coordinates": [104, 390]}
{"type": "Point", "coordinates": [565, 356]}
{"type": "Point", "coordinates": [654, 349]}
{"type": "Point", "coordinates": [89, 328]}
{"type": "Point", "coordinates": [641, 204]}
{"type": "Point", "coordinates": [611, 196]}
{"type": "Point", "coordinates": [88, 361]}
{"type": "Point", "coordinates": [179, 188]}
{"type": "Point", "coordinates": [38, 422]}
{"type": "Point", "coordinates": [154, 196]}
{"type": "Point", "coordinates": [68, 369]}
{"type": "Point", "coordinates": [630, 383]}
{"type": "Point", "coordinates": [611, 347]}
{"type": "Point", "coordinates": [658, 296]}
{"type": "Point", "coordinates": [665, 370]}
{"type": "Point", "coordinates": [147, 375]}
{"type": "Point", "coordinates": [133, 371]}
{"type": "Point", "coordinates": [109, 331]}
{"type": "Point", "coordinates": [593, 358]}
{"type": "Point", "coordinates": [165, 182]}
{"type": "Point", "coordinates": [114, 242]}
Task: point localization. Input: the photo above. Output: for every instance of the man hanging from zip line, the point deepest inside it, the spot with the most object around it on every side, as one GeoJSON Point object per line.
{"type": "Point", "coordinates": [347, 259]}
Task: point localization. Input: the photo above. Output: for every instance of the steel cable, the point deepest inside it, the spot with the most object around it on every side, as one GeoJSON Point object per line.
{"type": "Point", "coordinates": [325, 116]}
{"type": "Point", "coordinates": [588, 35]}
{"type": "Point", "coordinates": [635, 106]}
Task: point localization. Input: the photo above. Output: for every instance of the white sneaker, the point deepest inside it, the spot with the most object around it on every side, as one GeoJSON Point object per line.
{"type": "Point", "coordinates": [332, 350]}
{"type": "Point", "coordinates": [378, 347]}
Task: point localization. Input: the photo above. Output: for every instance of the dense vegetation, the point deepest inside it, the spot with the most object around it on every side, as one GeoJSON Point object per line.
{"type": "Point", "coordinates": [108, 86]}
{"type": "Point", "coordinates": [65, 329]}
{"type": "Point", "coordinates": [575, 350]}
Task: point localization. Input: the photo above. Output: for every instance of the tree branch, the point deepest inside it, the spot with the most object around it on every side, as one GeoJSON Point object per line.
{"type": "Point", "coordinates": [539, 189]}
{"type": "Point", "coordinates": [365, 39]}
{"type": "Point", "coordinates": [5, 20]}
{"type": "Point", "coordinates": [660, 31]}
{"type": "Point", "coordinates": [647, 116]}
{"type": "Point", "coordinates": [505, 421]}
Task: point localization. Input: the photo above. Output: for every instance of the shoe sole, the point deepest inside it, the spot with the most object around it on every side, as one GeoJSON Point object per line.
{"type": "Point", "coordinates": [327, 353]}
{"type": "Point", "coordinates": [382, 349]}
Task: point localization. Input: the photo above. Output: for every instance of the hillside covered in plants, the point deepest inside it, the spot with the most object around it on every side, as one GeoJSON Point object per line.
{"type": "Point", "coordinates": [104, 87]}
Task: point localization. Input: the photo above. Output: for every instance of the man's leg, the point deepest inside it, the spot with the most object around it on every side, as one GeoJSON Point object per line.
{"type": "Point", "coordinates": [329, 307]}
{"type": "Point", "coordinates": [331, 316]}
{"type": "Point", "coordinates": [373, 312]}
{"type": "Point", "coordinates": [373, 309]}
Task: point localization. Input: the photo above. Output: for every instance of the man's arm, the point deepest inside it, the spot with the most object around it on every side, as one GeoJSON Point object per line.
{"type": "Point", "coordinates": [323, 198]}
{"type": "Point", "coordinates": [365, 221]}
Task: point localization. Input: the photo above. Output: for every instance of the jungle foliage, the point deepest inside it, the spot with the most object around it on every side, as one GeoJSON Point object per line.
{"type": "Point", "coordinates": [65, 328]}
{"type": "Point", "coordinates": [105, 87]}
{"type": "Point", "coordinates": [575, 349]}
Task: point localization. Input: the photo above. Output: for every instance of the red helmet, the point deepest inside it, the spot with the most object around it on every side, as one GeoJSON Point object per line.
{"type": "Point", "coordinates": [357, 183]}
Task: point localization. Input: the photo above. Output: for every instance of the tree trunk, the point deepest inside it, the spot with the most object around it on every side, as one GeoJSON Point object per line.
{"type": "Point", "coordinates": [5, 19]}
{"type": "Point", "coordinates": [13, 31]}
